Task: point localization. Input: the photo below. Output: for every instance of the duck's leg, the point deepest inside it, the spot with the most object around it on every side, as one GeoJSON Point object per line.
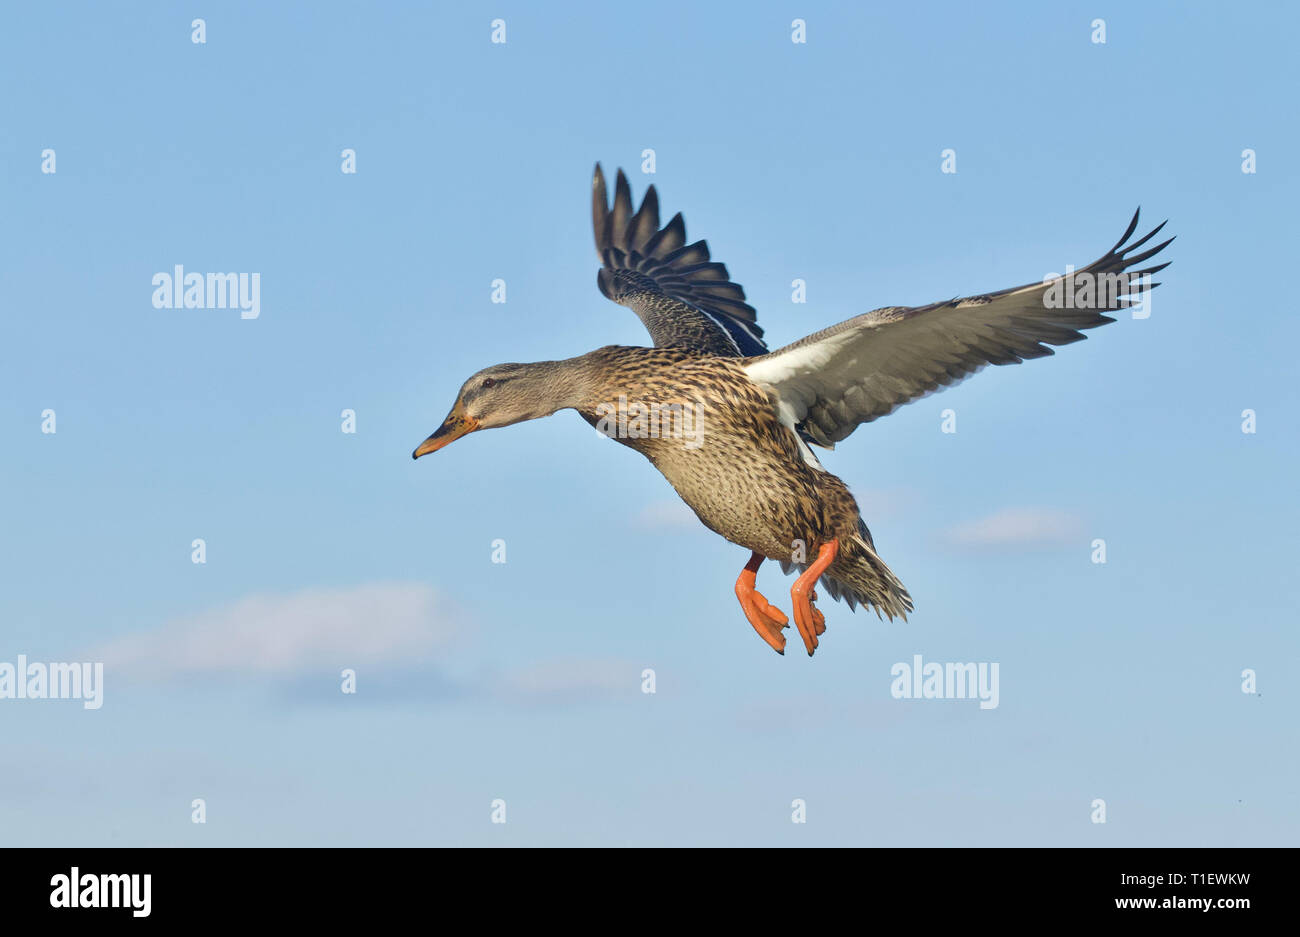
{"type": "Point", "coordinates": [768, 620]}
{"type": "Point", "coordinates": [808, 619]}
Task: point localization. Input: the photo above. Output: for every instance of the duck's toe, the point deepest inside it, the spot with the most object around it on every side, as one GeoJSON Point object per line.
{"type": "Point", "coordinates": [767, 619]}
{"type": "Point", "coordinates": [818, 619]}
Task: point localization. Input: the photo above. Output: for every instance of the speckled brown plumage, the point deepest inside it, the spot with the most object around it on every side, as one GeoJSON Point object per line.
{"type": "Point", "coordinates": [746, 480]}
{"type": "Point", "coordinates": [743, 462]}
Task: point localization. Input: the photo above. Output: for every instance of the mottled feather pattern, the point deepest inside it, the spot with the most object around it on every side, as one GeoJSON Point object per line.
{"type": "Point", "coordinates": [746, 481]}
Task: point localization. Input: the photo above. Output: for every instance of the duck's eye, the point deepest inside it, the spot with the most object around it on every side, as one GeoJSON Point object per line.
{"type": "Point", "coordinates": [489, 382]}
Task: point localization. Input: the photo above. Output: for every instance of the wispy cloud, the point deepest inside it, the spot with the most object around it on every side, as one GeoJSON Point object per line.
{"type": "Point", "coordinates": [390, 633]}
{"type": "Point", "coordinates": [285, 635]}
{"type": "Point", "coordinates": [1017, 527]}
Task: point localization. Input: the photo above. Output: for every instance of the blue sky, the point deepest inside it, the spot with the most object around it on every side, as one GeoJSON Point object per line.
{"type": "Point", "coordinates": [522, 680]}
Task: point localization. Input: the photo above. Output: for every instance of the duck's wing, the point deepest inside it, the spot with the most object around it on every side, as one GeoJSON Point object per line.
{"type": "Point", "coordinates": [682, 297]}
{"type": "Point", "coordinates": [852, 373]}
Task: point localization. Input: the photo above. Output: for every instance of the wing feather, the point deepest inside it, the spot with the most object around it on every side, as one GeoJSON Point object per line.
{"type": "Point", "coordinates": [864, 368]}
{"type": "Point", "coordinates": [682, 296]}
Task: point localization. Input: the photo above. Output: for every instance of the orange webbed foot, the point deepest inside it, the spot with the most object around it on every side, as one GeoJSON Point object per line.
{"type": "Point", "coordinates": [807, 618]}
{"type": "Point", "coordinates": [804, 619]}
{"type": "Point", "coordinates": [767, 619]}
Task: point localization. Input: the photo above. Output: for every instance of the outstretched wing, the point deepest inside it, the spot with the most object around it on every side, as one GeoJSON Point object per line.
{"type": "Point", "coordinates": [682, 297]}
{"type": "Point", "coordinates": [852, 373]}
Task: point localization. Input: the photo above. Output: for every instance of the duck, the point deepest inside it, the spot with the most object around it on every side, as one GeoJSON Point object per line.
{"type": "Point", "coordinates": [732, 424]}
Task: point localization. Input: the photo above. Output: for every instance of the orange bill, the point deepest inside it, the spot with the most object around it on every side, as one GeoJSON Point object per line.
{"type": "Point", "coordinates": [455, 426]}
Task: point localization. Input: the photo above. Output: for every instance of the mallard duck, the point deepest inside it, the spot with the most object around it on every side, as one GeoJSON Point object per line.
{"type": "Point", "coordinates": [731, 424]}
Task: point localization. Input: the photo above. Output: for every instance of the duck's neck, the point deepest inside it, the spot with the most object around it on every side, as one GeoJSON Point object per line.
{"type": "Point", "coordinates": [572, 383]}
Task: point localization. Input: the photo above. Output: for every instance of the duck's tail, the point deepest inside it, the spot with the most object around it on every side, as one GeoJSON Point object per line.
{"type": "Point", "coordinates": [860, 577]}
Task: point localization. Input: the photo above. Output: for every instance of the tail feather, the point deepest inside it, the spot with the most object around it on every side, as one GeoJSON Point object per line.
{"type": "Point", "coordinates": [860, 577]}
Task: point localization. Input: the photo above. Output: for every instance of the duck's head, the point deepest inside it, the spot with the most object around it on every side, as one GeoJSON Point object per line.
{"type": "Point", "coordinates": [499, 396]}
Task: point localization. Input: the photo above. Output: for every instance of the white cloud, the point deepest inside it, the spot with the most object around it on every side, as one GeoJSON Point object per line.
{"type": "Point", "coordinates": [287, 634]}
{"type": "Point", "coordinates": [1015, 527]}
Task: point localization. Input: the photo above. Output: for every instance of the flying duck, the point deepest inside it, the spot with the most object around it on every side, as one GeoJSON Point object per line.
{"type": "Point", "coordinates": [731, 425]}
